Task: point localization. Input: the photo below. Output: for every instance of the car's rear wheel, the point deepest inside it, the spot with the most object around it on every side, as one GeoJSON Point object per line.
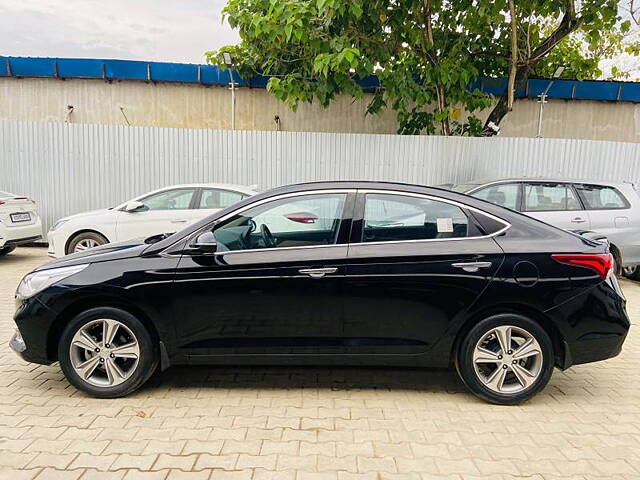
{"type": "Point", "coordinates": [506, 359]}
{"type": "Point", "coordinates": [84, 241]}
{"type": "Point", "coordinates": [6, 250]}
{"type": "Point", "coordinates": [107, 353]}
{"type": "Point", "coordinates": [632, 273]}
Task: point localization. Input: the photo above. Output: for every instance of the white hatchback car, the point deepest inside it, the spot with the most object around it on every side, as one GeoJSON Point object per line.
{"type": "Point", "coordinates": [165, 210]}
{"type": "Point", "coordinates": [19, 222]}
{"type": "Point", "coordinates": [610, 209]}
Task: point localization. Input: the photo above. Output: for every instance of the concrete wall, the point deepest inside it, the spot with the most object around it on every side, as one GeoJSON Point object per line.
{"type": "Point", "coordinates": [196, 106]}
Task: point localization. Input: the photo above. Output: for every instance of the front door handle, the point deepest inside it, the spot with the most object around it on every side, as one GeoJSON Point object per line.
{"type": "Point", "coordinates": [471, 266]}
{"type": "Point", "coordinates": [178, 221]}
{"type": "Point", "coordinates": [318, 272]}
{"type": "Point", "coordinates": [578, 220]}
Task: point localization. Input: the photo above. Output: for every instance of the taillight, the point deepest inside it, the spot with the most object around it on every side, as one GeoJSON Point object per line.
{"type": "Point", "coordinates": [21, 198]}
{"type": "Point", "coordinates": [2, 202]}
{"type": "Point", "coordinates": [601, 263]}
{"type": "Point", "coordinates": [302, 217]}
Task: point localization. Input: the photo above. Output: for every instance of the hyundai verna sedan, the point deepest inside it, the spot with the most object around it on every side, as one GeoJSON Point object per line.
{"type": "Point", "coordinates": [346, 273]}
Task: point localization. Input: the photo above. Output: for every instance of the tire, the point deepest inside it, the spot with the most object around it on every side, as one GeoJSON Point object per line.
{"type": "Point", "coordinates": [98, 382]}
{"type": "Point", "coordinates": [6, 250]}
{"type": "Point", "coordinates": [632, 273]}
{"type": "Point", "coordinates": [86, 239]}
{"type": "Point", "coordinates": [476, 367]}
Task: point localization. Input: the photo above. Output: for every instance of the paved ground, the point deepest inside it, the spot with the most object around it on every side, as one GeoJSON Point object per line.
{"type": "Point", "coordinates": [283, 423]}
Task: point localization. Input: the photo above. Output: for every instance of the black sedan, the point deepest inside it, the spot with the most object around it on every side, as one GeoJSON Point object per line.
{"type": "Point", "coordinates": [340, 273]}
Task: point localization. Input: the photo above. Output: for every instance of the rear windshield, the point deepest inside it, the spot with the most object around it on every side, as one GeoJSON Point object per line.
{"type": "Point", "coordinates": [464, 187]}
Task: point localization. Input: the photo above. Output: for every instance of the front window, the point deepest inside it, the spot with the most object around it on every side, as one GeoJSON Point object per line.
{"type": "Point", "coordinates": [549, 197]}
{"type": "Point", "coordinates": [213, 198]}
{"type": "Point", "coordinates": [597, 197]}
{"type": "Point", "coordinates": [178, 199]}
{"type": "Point", "coordinates": [505, 195]}
{"type": "Point", "coordinates": [302, 221]}
{"type": "Point", "coordinates": [390, 217]}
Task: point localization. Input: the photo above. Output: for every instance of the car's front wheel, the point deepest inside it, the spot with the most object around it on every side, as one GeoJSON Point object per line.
{"type": "Point", "coordinates": [85, 240]}
{"type": "Point", "coordinates": [107, 352]}
{"type": "Point", "coordinates": [506, 359]}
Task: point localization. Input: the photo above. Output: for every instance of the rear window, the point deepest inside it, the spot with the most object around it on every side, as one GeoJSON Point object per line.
{"type": "Point", "coordinates": [549, 197]}
{"type": "Point", "coordinates": [598, 197]}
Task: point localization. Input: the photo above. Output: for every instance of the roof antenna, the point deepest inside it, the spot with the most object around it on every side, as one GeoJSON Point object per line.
{"type": "Point", "coordinates": [125, 116]}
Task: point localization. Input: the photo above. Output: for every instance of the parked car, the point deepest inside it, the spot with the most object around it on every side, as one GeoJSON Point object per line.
{"type": "Point", "coordinates": [610, 209]}
{"type": "Point", "coordinates": [19, 222]}
{"type": "Point", "coordinates": [164, 210]}
{"type": "Point", "coordinates": [330, 273]}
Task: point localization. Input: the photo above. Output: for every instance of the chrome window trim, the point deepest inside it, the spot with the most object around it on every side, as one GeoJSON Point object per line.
{"type": "Point", "coordinates": [506, 224]}
{"type": "Point", "coordinates": [258, 203]}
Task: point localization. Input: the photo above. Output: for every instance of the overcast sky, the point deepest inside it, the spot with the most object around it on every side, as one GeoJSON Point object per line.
{"type": "Point", "coordinates": [162, 30]}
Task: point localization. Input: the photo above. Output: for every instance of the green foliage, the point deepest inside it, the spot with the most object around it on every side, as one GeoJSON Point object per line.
{"type": "Point", "coordinates": [426, 53]}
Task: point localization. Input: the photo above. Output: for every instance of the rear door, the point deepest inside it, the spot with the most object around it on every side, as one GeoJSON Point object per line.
{"type": "Point", "coordinates": [555, 203]}
{"type": "Point", "coordinates": [415, 264]}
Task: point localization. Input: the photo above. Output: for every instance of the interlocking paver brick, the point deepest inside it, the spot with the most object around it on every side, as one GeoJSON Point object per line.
{"type": "Point", "coordinates": [263, 423]}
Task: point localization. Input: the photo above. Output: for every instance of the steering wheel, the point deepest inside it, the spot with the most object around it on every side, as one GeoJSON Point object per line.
{"type": "Point", "coordinates": [267, 236]}
{"type": "Point", "coordinates": [245, 237]}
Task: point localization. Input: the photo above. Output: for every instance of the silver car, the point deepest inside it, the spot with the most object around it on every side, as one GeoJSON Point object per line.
{"type": "Point", "coordinates": [611, 209]}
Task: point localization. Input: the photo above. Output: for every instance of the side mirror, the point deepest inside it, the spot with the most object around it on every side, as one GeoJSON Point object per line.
{"type": "Point", "coordinates": [133, 206]}
{"type": "Point", "coordinates": [205, 243]}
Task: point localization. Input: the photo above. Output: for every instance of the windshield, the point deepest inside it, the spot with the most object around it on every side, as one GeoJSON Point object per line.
{"type": "Point", "coordinates": [464, 187]}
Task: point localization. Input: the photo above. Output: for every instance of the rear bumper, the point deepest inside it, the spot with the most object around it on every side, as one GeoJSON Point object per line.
{"type": "Point", "coordinates": [594, 325]}
{"type": "Point", "coordinates": [17, 234]}
{"type": "Point", "coordinates": [594, 349]}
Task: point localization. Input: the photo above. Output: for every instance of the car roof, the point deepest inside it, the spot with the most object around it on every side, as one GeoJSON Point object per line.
{"type": "Point", "coordinates": [488, 181]}
{"type": "Point", "coordinates": [249, 190]}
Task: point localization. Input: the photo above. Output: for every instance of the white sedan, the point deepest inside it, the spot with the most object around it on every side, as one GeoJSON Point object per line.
{"type": "Point", "coordinates": [19, 222]}
{"type": "Point", "coordinates": [162, 211]}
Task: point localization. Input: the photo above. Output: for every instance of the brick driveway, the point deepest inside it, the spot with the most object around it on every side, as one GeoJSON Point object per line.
{"type": "Point", "coordinates": [313, 423]}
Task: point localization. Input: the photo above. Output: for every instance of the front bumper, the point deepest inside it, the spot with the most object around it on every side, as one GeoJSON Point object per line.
{"type": "Point", "coordinates": [56, 245]}
{"type": "Point", "coordinates": [34, 321]}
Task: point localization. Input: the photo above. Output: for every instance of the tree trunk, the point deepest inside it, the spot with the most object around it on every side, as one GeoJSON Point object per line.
{"type": "Point", "coordinates": [502, 107]}
{"type": "Point", "coordinates": [514, 56]}
{"type": "Point", "coordinates": [568, 24]}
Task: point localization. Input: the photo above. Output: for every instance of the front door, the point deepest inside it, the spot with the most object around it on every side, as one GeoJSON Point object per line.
{"type": "Point", "coordinates": [163, 212]}
{"type": "Point", "coordinates": [416, 264]}
{"type": "Point", "coordinates": [275, 284]}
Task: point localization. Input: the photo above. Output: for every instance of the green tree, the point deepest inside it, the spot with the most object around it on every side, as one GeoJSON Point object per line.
{"type": "Point", "coordinates": [426, 53]}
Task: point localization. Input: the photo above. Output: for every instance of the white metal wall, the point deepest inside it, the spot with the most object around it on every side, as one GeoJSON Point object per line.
{"type": "Point", "coordinates": [70, 168]}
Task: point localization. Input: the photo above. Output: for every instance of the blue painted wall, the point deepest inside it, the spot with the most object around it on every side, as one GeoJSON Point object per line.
{"type": "Point", "coordinates": [212, 75]}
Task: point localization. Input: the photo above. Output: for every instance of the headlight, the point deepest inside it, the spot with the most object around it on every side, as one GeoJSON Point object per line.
{"type": "Point", "coordinates": [58, 224]}
{"type": "Point", "coordinates": [37, 281]}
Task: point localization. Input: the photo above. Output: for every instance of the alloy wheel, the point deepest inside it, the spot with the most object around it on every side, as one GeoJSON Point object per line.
{"type": "Point", "coordinates": [104, 352]}
{"type": "Point", "coordinates": [507, 359]}
{"type": "Point", "coordinates": [85, 244]}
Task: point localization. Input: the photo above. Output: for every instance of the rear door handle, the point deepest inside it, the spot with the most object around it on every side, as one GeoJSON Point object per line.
{"type": "Point", "coordinates": [318, 272]}
{"type": "Point", "coordinates": [471, 266]}
{"type": "Point", "coordinates": [178, 221]}
{"type": "Point", "coordinates": [578, 220]}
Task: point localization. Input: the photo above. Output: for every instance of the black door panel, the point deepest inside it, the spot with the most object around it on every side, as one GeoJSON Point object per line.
{"type": "Point", "coordinates": [259, 301]}
{"type": "Point", "coordinates": [405, 294]}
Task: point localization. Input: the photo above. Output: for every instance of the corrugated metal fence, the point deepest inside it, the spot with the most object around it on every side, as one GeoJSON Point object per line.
{"type": "Point", "coordinates": [70, 168]}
